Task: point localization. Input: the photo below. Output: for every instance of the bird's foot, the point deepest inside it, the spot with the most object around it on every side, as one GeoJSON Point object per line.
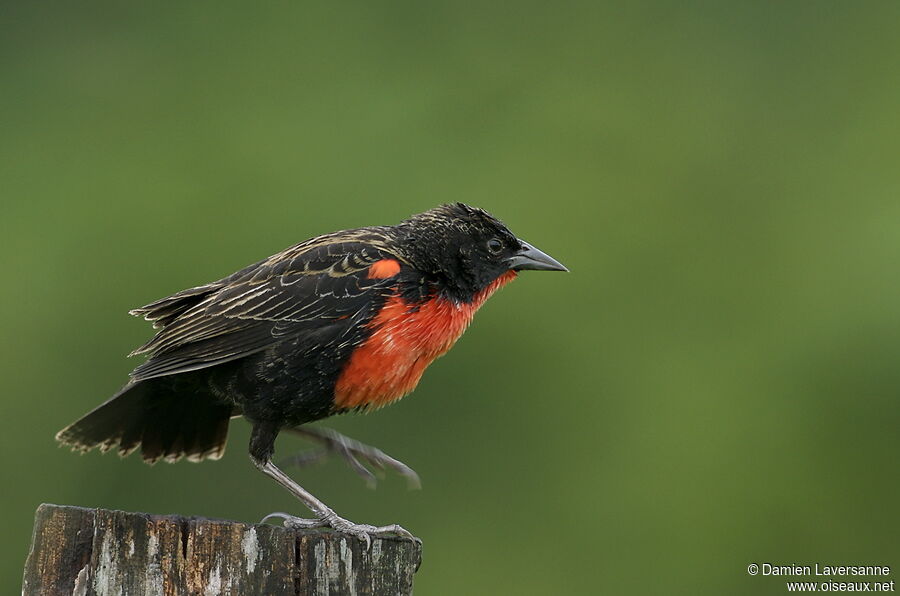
{"type": "Point", "coordinates": [362, 531]}
{"type": "Point", "coordinates": [354, 453]}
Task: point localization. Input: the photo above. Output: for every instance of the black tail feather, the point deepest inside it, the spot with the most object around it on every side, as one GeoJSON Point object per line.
{"type": "Point", "coordinates": [150, 415]}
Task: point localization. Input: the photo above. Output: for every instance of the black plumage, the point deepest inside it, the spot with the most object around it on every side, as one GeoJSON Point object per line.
{"type": "Point", "coordinates": [271, 341]}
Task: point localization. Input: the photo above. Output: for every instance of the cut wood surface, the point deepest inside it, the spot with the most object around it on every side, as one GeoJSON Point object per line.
{"type": "Point", "coordinates": [80, 552]}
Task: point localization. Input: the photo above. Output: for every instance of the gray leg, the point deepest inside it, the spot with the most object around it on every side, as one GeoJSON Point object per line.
{"type": "Point", "coordinates": [352, 451]}
{"type": "Point", "coordinates": [262, 446]}
{"type": "Point", "coordinates": [325, 515]}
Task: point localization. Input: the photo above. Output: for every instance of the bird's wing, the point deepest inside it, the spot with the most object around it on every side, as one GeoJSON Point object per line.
{"type": "Point", "coordinates": [323, 282]}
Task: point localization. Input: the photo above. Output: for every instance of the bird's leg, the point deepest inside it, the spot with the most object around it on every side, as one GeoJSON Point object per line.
{"type": "Point", "coordinates": [262, 447]}
{"type": "Point", "coordinates": [352, 451]}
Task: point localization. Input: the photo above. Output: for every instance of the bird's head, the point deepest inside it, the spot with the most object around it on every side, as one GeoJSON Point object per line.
{"type": "Point", "coordinates": [465, 249]}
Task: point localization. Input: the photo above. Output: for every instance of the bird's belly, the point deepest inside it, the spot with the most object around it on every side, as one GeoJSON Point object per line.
{"type": "Point", "coordinates": [405, 340]}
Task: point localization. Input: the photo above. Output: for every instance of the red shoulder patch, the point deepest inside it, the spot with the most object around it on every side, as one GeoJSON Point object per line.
{"type": "Point", "coordinates": [383, 269]}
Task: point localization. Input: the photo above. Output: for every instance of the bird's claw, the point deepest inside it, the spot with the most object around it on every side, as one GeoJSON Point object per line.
{"type": "Point", "coordinates": [352, 451]}
{"type": "Point", "coordinates": [363, 532]}
{"type": "Point", "coordinates": [366, 531]}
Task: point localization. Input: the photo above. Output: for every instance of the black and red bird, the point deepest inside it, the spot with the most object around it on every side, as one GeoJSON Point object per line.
{"type": "Point", "coordinates": [342, 322]}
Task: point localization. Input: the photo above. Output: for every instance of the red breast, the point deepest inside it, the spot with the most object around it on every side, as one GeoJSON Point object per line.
{"type": "Point", "coordinates": [389, 364]}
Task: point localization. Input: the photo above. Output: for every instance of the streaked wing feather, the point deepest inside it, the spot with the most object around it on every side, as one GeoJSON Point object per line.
{"type": "Point", "coordinates": [206, 353]}
{"type": "Point", "coordinates": [304, 288]}
{"type": "Point", "coordinates": [166, 310]}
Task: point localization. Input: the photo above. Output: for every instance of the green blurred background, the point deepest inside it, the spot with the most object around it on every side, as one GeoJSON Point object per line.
{"type": "Point", "coordinates": [714, 384]}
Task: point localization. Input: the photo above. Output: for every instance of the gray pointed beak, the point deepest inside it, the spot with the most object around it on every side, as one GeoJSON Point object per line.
{"type": "Point", "coordinates": [531, 258]}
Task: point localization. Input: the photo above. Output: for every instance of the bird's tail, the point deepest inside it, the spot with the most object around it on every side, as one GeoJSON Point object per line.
{"type": "Point", "coordinates": [150, 415]}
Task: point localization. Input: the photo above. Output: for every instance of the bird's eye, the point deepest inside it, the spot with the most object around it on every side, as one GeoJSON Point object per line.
{"type": "Point", "coordinates": [494, 245]}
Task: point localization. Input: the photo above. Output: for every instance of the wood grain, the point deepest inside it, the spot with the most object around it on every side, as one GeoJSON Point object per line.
{"type": "Point", "coordinates": [82, 552]}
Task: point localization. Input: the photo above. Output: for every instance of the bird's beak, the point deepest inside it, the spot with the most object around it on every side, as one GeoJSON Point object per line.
{"type": "Point", "coordinates": [529, 257]}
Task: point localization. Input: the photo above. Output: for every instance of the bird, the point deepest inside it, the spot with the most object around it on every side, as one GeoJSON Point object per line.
{"type": "Point", "coordinates": [342, 322]}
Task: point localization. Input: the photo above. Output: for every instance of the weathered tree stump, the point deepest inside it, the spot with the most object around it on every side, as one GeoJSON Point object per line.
{"type": "Point", "coordinates": [80, 552]}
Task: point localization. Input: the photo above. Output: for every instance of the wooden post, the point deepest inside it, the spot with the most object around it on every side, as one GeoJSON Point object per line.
{"type": "Point", "coordinates": [81, 552]}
